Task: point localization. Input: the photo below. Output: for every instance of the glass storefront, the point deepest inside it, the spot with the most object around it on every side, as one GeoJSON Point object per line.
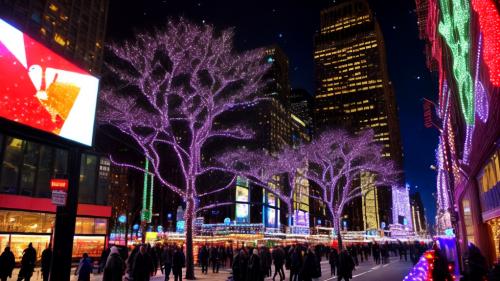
{"type": "Point", "coordinates": [19, 228]}
{"type": "Point", "coordinates": [494, 227]}
{"type": "Point", "coordinates": [35, 222]}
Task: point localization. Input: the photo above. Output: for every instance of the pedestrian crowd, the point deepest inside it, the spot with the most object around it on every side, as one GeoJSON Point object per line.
{"type": "Point", "coordinates": [303, 262]}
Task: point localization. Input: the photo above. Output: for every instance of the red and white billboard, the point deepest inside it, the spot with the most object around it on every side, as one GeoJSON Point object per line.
{"type": "Point", "coordinates": [41, 89]}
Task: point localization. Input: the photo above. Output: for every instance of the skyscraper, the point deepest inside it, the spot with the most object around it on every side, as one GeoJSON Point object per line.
{"type": "Point", "coordinates": [74, 29]}
{"type": "Point", "coordinates": [354, 91]}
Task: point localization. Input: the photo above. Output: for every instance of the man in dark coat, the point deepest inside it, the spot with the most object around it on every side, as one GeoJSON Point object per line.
{"type": "Point", "coordinates": [178, 262]}
{"type": "Point", "coordinates": [240, 265]}
{"type": "Point", "coordinates": [203, 259]}
{"type": "Point", "coordinates": [254, 270]}
{"type": "Point", "coordinates": [167, 256]}
{"type": "Point", "coordinates": [7, 263]}
{"type": "Point", "coordinates": [311, 267]}
{"type": "Point", "coordinates": [295, 263]}
{"type": "Point", "coordinates": [27, 263]}
{"type": "Point", "coordinates": [114, 266]}
{"type": "Point", "coordinates": [46, 260]}
{"type": "Point", "coordinates": [143, 265]}
{"type": "Point", "coordinates": [279, 260]}
{"type": "Point", "coordinates": [333, 260]}
{"type": "Point", "coordinates": [345, 266]}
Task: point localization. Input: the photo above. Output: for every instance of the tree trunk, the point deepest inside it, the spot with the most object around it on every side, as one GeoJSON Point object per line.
{"type": "Point", "coordinates": [189, 217]}
{"type": "Point", "coordinates": [336, 222]}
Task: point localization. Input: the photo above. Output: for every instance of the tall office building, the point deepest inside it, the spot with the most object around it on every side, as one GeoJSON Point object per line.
{"type": "Point", "coordinates": [354, 92]}
{"type": "Point", "coordinates": [74, 29]}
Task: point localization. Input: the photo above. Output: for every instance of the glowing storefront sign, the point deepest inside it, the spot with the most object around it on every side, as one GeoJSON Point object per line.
{"type": "Point", "coordinates": [41, 89]}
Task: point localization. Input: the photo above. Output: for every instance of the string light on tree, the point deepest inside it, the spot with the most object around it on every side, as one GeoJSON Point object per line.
{"type": "Point", "coordinates": [196, 69]}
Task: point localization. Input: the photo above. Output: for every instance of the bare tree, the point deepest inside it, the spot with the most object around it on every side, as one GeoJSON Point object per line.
{"type": "Point", "coordinates": [345, 166]}
{"type": "Point", "coordinates": [171, 87]}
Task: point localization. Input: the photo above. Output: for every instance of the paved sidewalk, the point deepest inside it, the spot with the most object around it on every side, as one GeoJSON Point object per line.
{"type": "Point", "coordinates": [222, 275]}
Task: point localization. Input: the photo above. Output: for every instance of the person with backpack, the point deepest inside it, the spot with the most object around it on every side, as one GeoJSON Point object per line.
{"type": "Point", "coordinates": [239, 266]}
{"type": "Point", "coordinates": [84, 268]}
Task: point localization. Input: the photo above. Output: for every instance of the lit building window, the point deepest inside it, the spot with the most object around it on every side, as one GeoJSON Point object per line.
{"type": "Point", "coordinates": [53, 7]}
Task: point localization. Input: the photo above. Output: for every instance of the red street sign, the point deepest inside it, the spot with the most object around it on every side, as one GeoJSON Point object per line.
{"type": "Point", "coordinates": [59, 184]}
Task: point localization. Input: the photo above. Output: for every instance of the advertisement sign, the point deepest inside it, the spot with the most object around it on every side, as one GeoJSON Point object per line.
{"type": "Point", "coordinates": [59, 184]}
{"type": "Point", "coordinates": [41, 89]}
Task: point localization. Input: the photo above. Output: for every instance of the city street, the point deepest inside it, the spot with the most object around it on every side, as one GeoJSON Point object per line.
{"type": "Point", "coordinates": [366, 271]}
{"type": "Point", "coordinates": [395, 270]}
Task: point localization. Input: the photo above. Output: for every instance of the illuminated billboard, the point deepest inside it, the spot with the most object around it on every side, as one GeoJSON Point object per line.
{"type": "Point", "coordinates": [41, 89]}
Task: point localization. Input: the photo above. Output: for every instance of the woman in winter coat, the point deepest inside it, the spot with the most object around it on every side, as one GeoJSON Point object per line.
{"type": "Point", "coordinates": [7, 263]}
{"type": "Point", "coordinates": [114, 267]}
{"type": "Point", "coordinates": [254, 272]}
{"type": "Point", "coordinates": [84, 268]}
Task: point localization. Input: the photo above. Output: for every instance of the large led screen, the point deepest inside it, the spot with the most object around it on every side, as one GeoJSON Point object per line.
{"type": "Point", "coordinates": [41, 89]}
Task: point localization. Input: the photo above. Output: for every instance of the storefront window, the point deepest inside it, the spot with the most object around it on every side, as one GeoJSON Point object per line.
{"type": "Point", "coordinates": [12, 159]}
{"type": "Point", "coordinates": [469, 228]}
{"type": "Point", "coordinates": [100, 226]}
{"type": "Point", "coordinates": [29, 222]}
{"type": "Point", "coordinates": [92, 245]}
{"type": "Point", "coordinates": [494, 225]}
{"type": "Point", "coordinates": [489, 181]}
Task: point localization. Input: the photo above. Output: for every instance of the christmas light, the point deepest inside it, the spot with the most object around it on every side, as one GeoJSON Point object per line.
{"type": "Point", "coordinates": [489, 21]}
{"type": "Point", "coordinates": [482, 103]}
{"type": "Point", "coordinates": [454, 28]}
{"type": "Point", "coordinates": [469, 132]}
{"type": "Point", "coordinates": [216, 80]}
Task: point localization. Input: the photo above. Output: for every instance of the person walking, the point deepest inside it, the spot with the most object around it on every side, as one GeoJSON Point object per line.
{"type": "Point", "coordinates": [143, 265]}
{"type": "Point", "coordinates": [254, 270]}
{"type": "Point", "coordinates": [333, 260]}
{"type": "Point", "coordinates": [239, 266]}
{"type": "Point", "coordinates": [84, 268]}
{"type": "Point", "coordinates": [311, 269]}
{"type": "Point", "coordinates": [345, 267]}
{"type": "Point", "coordinates": [167, 257]}
{"type": "Point", "coordinates": [114, 266]}
{"type": "Point", "coordinates": [279, 260]}
{"type": "Point", "coordinates": [295, 263]}
{"type": "Point", "coordinates": [27, 263]}
{"type": "Point", "coordinates": [203, 259]}
{"type": "Point", "coordinates": [103, 259]}
{"type": "Point", "coordinates": [178, 262]}
{"type": "Point", "coordinates": [45, 263]}
{"type": "Point", "coordinates": [7, 263]}
{"type": "Point", "coordinates": [214, 259]}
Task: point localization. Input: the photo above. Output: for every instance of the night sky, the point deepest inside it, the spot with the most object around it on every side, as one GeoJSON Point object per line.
{"type": "Point", "coordinates": [291, 25]}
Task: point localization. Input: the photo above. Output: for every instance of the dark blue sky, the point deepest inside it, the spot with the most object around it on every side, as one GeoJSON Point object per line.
{"type": "Point", "coordinates": [292, 24]}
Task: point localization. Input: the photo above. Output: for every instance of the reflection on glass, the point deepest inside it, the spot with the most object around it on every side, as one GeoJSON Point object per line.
{"type": "Point", "coordinates": [88, 172]}
{"type": "Point", "coordinates": [11, 164]}
{"type": "Point", "coordinates": [44, 171]}
{"type": "Point", "coordinates": [30, 162]}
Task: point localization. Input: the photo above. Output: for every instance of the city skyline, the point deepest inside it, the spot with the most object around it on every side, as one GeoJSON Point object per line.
{"type": "Point", "coordinates": [278, 24]}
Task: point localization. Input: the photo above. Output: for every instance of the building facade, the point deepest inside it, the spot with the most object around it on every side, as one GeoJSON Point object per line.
{"type": "Point", "coordinates": [462, 48]}
{"type": "Point", "coordinates": [74, 29]}
{"type": "Point", "coordinates": [26, 212]}
{"type": "Point", "coordinates": [354, 92]}
{"type": "Point", "coordinates": [418, 214]}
